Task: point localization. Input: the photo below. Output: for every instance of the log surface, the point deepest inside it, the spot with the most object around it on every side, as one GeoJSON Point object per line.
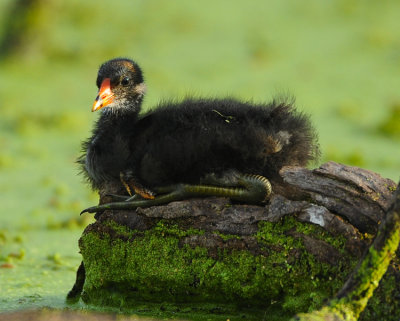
{"type": "Point", "coordinates": [343, 200]}
{"type": "Point", "coordinates": [346, 203]}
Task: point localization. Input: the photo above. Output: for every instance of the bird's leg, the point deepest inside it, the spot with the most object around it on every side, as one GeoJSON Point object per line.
{"type": "Point", "coordinates": [120, 198]}
{"type": "Point", "coordinates": [135, 190]}
{"type": "Point", "coordinates": [239, 187]}
{"type": "Point", "coordinates": [133, 186]}
{"type": "Point", "coordinates": [246, 188]}
{"type": "Point", "coordinates": [173, 193]}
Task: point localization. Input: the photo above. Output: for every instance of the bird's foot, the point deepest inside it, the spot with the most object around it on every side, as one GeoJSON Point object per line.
{"type": "Point", "coordinates": [244, 188]}
{"type": "Point", "coordinates": [133, 186]}
{"type": "Point", "coordinates": [171, 193]}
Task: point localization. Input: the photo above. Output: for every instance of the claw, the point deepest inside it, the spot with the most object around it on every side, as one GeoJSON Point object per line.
{"type": "Point", "coordinates": [93, 209]}
{"type": "Point", "coordinates": [86, 210]}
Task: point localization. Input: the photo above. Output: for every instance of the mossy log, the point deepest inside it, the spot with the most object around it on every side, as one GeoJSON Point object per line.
{"type": "Point", "coordinates": [233, 261]}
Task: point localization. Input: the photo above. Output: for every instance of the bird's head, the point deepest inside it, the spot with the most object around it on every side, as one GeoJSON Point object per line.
{"type": "Point", "coordinates": [121, 86]}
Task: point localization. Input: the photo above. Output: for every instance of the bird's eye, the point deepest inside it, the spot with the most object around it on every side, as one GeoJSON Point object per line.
{"type": "Point", "coordinates": [125, 81]}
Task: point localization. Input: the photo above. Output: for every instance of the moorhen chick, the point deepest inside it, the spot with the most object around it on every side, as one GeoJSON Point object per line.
{"type": "Point", "coordinates": [192, 147]}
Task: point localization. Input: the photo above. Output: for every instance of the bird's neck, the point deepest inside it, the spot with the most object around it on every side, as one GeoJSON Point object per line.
{"type": "Point", "coordinates": [121, 112]}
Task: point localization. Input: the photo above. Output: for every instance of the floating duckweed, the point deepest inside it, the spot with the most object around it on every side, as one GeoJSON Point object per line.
{"type": "Point", "coordinates": [55, 258]}
{"type": "Point", "coordinates": [30, 123]}
{"type": "Point", "coordinates": [17, 255]}
{"type": "Point", "coordinates": [61, 190]}
{"type": "Point", "coordinates": [6, 161]}
{"type": "Point", "coordinates": [76, 222]}
{"type": "Point", "coordinates": [350, 110]}
{"type": "Point", "coordinates": [354, 158]}
{"type": "Point", "coordinates": [391, 125]}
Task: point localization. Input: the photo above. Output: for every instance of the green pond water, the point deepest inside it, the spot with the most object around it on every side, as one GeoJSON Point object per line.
{"type": "Point", "coordinates": [340, 59]}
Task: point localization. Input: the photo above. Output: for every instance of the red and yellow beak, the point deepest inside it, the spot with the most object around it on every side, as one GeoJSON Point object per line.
{"type": "Point", "coordinates": [105, 96]}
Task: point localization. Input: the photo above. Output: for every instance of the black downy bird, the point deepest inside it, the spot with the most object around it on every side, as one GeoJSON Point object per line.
{"type": "Point", "coordinates": [190, 148]}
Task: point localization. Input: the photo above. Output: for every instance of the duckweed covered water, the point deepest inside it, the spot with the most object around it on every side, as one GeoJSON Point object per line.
{"type": "Point", "coordinates": [340, 59]}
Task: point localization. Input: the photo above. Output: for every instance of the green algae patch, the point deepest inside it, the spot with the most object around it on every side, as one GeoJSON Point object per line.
{"type": "Point", "coordinates": [126, 267]}
{"type": "Point", "coordinates": [391, 125]}
{"type": "Point", "coordinates": [372, 269]}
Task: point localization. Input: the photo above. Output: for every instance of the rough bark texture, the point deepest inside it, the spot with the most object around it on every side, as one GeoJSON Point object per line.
{"type": "Point", "coordinates": [301, 246]}
{"type": "Point", "coordinates": [354, 295]}
{"type": "Point", "coordinates": [358, 195]}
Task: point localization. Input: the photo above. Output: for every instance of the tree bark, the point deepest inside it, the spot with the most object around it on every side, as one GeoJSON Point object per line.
{"type": "Point", "coordinates": [352, 299]}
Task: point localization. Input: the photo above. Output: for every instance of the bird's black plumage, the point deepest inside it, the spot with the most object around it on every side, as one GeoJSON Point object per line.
{"type": "Point", "coordinates": [181, 142]}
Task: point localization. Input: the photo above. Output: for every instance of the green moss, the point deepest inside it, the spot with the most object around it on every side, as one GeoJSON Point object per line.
{"type": "Point", "coordinates": [370, 272]}
{"type": "Point", "coordinates": [155, 272]}
{"type": "Point", "coordinates": [326, 313]}
{"type": "Point", "coordinates": [384, 304]}
{"type": "Point", "coordinates": [120, 230]}
{"type": "Point", "coordinates": [289, 223]}
{"type": "Point", "coordinates": [307, 282]}
{"type": "Point", "coordinates": [226, 237]}
{"type": "Point", "coordinates": [154, 266]}
{"type": "Point", "coordinates": [164, 227]}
